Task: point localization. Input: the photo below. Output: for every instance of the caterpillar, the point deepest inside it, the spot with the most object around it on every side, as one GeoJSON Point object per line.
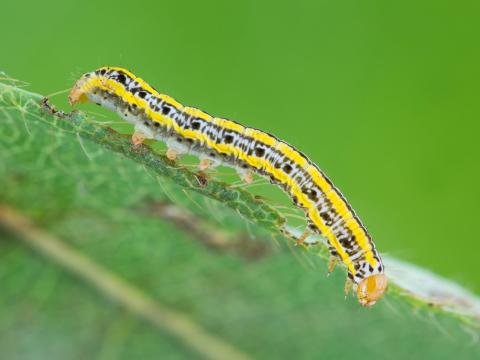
{"type": "Point", "coordinates": [219, 141]}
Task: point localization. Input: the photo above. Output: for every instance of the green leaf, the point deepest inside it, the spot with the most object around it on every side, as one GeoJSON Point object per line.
{"type": "Point", "coordinates": [207, 252]}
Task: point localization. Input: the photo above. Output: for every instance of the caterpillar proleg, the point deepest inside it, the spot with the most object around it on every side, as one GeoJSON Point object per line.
{"type": "Point", "coordinates": [217, 141]}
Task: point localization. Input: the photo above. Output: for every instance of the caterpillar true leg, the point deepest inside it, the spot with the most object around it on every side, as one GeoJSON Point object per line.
{"type": "Point", "coordinates": [301, 239]}
{"type": "Point", "coordinates": [331, 264]}
{"type": "Point", "coordinates": [348, 286]}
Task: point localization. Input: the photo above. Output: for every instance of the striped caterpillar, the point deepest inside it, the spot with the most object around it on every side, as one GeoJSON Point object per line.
{"type": "Point", "coordinates": [219, 141]}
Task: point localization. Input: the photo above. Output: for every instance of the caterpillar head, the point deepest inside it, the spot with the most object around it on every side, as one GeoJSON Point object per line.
{"type": "Point", "coordinates": [372, 288]}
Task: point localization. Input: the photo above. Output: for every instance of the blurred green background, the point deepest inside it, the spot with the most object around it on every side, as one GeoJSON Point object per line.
{"type": "Point", "coordinates": [383, 96]}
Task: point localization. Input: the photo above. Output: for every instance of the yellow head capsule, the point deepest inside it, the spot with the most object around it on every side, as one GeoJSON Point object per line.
{"type": "Point", "coordinates": [371, 289]}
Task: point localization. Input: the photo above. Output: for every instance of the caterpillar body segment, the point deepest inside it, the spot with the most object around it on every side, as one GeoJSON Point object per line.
{"type": "Point", "coordinates": [218, 141]}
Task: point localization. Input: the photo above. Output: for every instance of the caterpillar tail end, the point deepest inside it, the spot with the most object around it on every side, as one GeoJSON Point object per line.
{"type": "Point", "coordinates": [77, 94]}
{"type": "Point", "coordinates": [371, 289]}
